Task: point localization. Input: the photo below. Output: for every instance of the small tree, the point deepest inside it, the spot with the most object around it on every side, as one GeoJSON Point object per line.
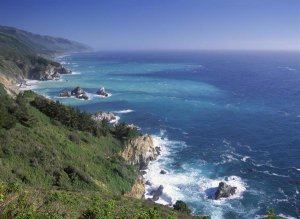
{"type": "Point", "coordinates": [182, 207]}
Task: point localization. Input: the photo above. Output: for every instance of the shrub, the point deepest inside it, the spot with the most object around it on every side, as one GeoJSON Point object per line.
{"type": "Point", "coordinates": [182, 207]}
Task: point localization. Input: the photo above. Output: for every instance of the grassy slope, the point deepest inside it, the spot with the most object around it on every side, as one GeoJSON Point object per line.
{"type": "Point", "coordinates": [51, 171]}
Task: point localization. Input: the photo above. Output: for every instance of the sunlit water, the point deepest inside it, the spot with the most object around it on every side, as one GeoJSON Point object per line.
{"type": "Point", "coordinates": [214, 114]}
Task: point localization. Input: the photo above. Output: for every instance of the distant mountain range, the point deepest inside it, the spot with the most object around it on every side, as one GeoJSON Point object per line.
{"type": "Point", "coordinates": [13, 39]}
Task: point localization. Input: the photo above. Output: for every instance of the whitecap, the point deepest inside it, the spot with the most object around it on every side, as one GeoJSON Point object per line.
{"type": "Point", "coordinates": [124, 111]}
{"type": "Point", "coordinates": [244, 159]}
{"type": "Point", "coordinates": [286, 216]}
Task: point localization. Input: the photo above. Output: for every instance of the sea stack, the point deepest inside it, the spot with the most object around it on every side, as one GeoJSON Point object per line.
{"type": "Point", "coordinates": [224, 191]}
{"type": "Point", "coordinates": [79, 93]}
{"type": "Point", "coordinates": [102, 92]}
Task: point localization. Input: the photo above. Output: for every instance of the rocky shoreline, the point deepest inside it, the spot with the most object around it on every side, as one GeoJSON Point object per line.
{"type": "Point", "coordinates": [140, 151]}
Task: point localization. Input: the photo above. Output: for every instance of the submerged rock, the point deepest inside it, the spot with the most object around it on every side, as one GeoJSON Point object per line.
{"type": "Point", "coordinates": [148, 183]}
{"type": "Point", "coordinates": [140, 151]}
{"type": "Point", "coordinates": [157, 193]}
{"type": "Point", "coordinates": [224, 191]}
{"type": "Point", "coordinates": [163, 172]}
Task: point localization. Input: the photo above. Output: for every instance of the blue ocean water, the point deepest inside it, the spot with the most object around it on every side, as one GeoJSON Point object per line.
{"type": "Point", "coordinates": [215, 115]}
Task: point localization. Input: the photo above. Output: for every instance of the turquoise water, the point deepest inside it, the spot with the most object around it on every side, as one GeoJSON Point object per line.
{"type": "Point", "coordinates": [215, 115]}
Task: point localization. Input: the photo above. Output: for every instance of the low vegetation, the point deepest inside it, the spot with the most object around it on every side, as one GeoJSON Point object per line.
{"type": "Point", "coordinates": [52, 168]}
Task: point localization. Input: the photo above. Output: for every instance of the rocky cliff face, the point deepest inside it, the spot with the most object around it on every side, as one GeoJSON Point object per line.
{"type": "Point", "coordinates": [53, 72]}
{"type": "Point", "coordinates": [138, 189]}
{"type": "Point", "coordinates": [140, 151]}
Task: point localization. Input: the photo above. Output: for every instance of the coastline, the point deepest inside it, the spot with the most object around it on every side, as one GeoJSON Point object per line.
{"type": "Point", "coordinates": [152, 178]}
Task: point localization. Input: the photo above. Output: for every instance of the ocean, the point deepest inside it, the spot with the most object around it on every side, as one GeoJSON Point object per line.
{"type": "Point", "coordinates": [215, 114]}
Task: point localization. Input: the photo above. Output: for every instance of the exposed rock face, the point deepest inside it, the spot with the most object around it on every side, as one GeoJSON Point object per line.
{"type": "Point", "coordinates": [157, 193]}
{"type": "Point", "coordinates": [140, 151]}
{"type": "Point", "coordinates": [53, 72]}
{"type": "Point", "coordinates": [110, 117]}
{"type": "Point", "coordinates": [138, 189]}
{"type": "Point", "coordinates": [102, 92]}
{"type": "Point", "coordinates": [224, 191]}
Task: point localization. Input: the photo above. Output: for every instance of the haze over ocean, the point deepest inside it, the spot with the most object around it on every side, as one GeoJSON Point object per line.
{"type": "Point", "coordinates": [217, 115]}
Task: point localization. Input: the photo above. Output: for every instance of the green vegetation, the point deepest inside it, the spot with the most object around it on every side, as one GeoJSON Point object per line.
{"type": "Point", "coordinates": [271, 215]}
{"type": "Point", "coordinates": [40, 44]}
{"type": "Point", "coordinates": [52, 167]}
{"type": "Point", "coordinates": [182, 206]}
{"type": "Point", "coordinates": [24, 54]}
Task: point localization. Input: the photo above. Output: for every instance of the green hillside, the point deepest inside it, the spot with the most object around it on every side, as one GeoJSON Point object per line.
{"type": "Point", "coordinates": [43, 44]}
{"type": "Point", "coordinates": [51, 168]}
{"type": "Point", "coordinates": [27, 55]}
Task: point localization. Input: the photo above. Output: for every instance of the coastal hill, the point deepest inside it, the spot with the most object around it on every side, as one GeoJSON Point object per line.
{"type": "Point", "coordinates": [57, 162]}
{"type": "Point", "coordinates": [42, 44]}
{"type": "Point", "coordinates": [24, 55]}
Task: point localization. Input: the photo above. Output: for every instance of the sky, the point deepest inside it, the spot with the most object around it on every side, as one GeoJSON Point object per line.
{"type": "Point", "coordinates": [162, 24]}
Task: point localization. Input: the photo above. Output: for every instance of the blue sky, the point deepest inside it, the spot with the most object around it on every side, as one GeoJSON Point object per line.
{"type": "Point", "coordinates": [162, 24]}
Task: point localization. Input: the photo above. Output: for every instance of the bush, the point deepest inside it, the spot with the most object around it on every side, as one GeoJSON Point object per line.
{"type": "Point", "coordinates": [182, 207]}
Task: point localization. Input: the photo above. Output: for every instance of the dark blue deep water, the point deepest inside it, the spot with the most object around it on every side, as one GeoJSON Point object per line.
{"type": "Point", "coordinates": [215, 115]}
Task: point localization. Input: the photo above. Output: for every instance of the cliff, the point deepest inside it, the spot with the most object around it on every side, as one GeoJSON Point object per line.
{"type": "Point", "coordinates": [138, 189]}
{"type": "Point", "coordinates": [27, 55]}
{"type": "Point", "coordinates": [140, 151]}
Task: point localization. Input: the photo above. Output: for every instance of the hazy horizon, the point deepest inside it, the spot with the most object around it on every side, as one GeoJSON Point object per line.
{"type": "Point", "coordinates": [162, 25]}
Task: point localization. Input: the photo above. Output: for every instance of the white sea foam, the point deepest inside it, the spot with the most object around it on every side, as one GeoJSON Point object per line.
{"type": "Point", "coordinates": [101, 96]}
{"type": "Point", "coordinates": [115, 121]}
{"type": "Point", "coordinates": [184, 183]}
{"type": "Point", "coordinates": [28, 85]}
{"type": "Point", "coordinates": [244, 159]}
{"type": "Point", "coordinates": [171, 181]}
{"type": "Point", "coordinates": [124, 111]}
{"type": "Point", "coordinates": [76, 73]}
{"type": "Point", "coordinates": [286, 216]}
{"type": "Point", "coordinates": [271, 173]}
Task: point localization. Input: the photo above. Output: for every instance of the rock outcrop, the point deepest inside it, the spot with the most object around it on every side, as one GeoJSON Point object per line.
{"type": "Point", "coordinates": [102, 92]}
{"type": "Point", "coordinates": [138, 189]}
{"type": "Point", "coordinates": [140, 151]}
{"type": "Point", "coordinates": [224, 191]}
{"type": "Point", "coordinates": [100, 116]}
{"type": "Point", "coordinates": [53, 72]}
{"type": "Point", "coordinates": [79, 93]}
{"type": "Point", "coordinates": [163, 172]}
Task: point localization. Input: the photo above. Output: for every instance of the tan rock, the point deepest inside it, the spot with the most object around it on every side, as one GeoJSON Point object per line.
{"type": "Point", "coordinates": [138, 189]}
{"type": "Point", "coordinates": [139, 151]}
